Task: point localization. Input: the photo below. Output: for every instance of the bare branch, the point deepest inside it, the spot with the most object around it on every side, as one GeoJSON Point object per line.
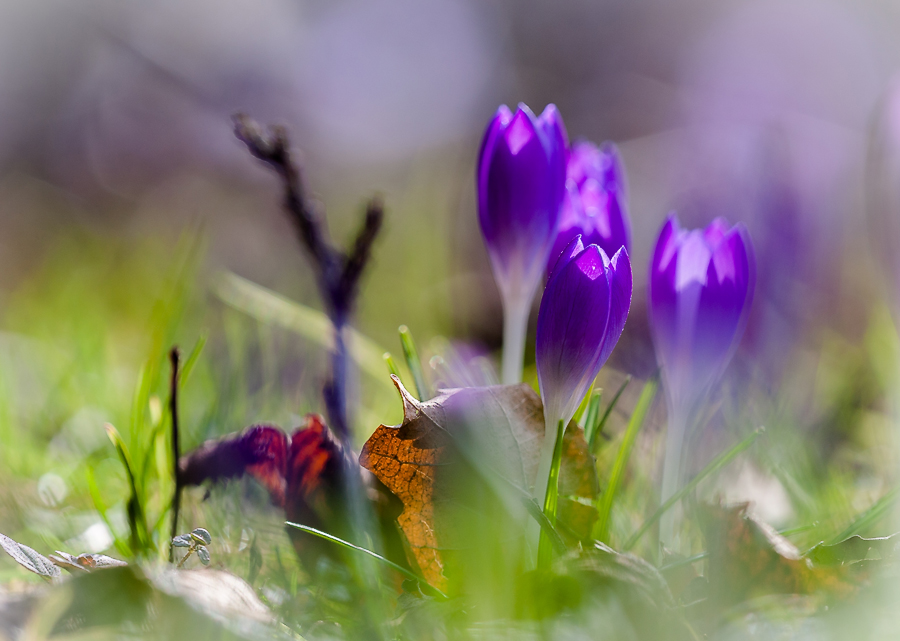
{"type": "Point", "coordinates": [337, 272]}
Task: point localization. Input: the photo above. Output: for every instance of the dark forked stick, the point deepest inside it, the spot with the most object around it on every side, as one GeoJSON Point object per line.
{"type": "Point", "coordinates": [176, 449]}
{"type": "Point", "coordinates": [337, 272]}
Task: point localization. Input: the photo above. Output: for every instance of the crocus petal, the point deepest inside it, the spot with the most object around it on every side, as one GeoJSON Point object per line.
{"type": "Point", "coordinates": [667, 243]}
{"type": "Point", "coordinates": [572, 325]}
{"type": "Point", "coordinates": [620, 303]}
{"type": "Point", "coordinates": [725, 303]}
{"type": "Point", "coordinates": [612, 168]}
{"type": "Point", "coordinates": [594, 202]}
{"type": "Point", "coordinates": [716, 231]}
{"type": "Point", "coordinates": [571, 250]}
{"type": "Point", "coordinates": [663, 300]}
{"type": "Point", "coordinates": [494, 130]}
{"type": "Point", "coordinates": [556, 139]}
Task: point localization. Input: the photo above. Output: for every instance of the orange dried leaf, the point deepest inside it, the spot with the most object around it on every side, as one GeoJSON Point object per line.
{"type": "Point", "coordinates": [494, 432]}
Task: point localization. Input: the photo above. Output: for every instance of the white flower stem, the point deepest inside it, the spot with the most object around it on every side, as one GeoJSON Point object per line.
{"type": "Point", "coordinates": [671, 481]}
{"type": "Point", "coordinates": [515, 328]}
{"type": "Point", "coordinates": [539, 491]}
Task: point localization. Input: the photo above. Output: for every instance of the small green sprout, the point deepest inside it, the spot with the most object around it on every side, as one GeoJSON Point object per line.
{"type": "Point", "coordinates": [195, 541]}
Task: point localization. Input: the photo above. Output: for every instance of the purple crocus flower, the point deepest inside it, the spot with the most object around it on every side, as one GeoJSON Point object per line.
{"type": "Point", "coordinates": [700, 289]}
{"type": "Point", "coordinates": [521, 182]}
{"type": "Point", "coordinates": [701, 286]}
{"type": "Point", "coordinates": [582, 315]}
{"type": "Point", "coordinates": [595, 201]}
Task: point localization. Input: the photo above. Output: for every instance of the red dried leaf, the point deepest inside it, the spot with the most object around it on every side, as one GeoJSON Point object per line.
{"type": "Point", "coordinates": [306, 474]}
{"type": "Point", "coordinates": [316, 471]}
{"type": "Point", "coordinates": [261, 451]}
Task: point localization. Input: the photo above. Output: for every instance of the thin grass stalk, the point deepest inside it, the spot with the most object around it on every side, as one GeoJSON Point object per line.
{"type": "Point", "coordinates": [350, 546]}
{"type": "Point", "coordinates": [712, 467]}
{"type": "Point", "coordinates": [676, 431]}
{"type": "Point", "coordinates": [551, 499]}
{"type": "Point", "coordinates": [598, 429]}
{"type": "Point", "coordinates": [635, 423]}
{"type": "Point", "coordinates": [411, 354]}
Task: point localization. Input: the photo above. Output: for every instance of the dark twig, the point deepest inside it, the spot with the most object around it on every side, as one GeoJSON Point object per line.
{"type": "Point", "coordinates": [337, 272]}
{"type": "Point", "coordinates": [176, 453]}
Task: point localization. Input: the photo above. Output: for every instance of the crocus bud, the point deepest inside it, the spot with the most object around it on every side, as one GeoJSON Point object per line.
{"type": "Point", "coordinates": [700, 289]}
{"type": "Point", "coordinates": [582, 315]}
{"type": "Point", "coordinates": [521, 182]}
{"type": "Point", "coordinates": [595, 203]}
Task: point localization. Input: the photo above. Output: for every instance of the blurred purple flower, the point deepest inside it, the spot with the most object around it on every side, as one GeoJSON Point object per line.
{"type": "Point", "coordinates": [700, 287]}
{"type": "Point", "coordinates": [595, 201]}
{"type": "Point", "coordinates": [582, 315]}
{"type": "Point", "coordinates": [701, 284]}
{"type": "Point", "coordinates": [521, 182]}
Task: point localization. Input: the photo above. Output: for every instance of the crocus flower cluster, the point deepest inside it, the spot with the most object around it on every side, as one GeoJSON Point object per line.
{"type": "Point", "coordinates": [544, 207]}
{"type": "Point", "coordinates": [521, 181]}
{"type": "Point", "coordinates": [528, 181]}
{"type": "Point", "coordinates": [595, 204]}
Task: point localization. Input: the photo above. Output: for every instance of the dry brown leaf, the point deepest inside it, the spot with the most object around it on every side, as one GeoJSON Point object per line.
{"type": "Point", "coordinates": [495, 431]}
{"type": "Point", "coordinates": [84, 562]}
{"type": "Point", "coordinates": [748, 558]}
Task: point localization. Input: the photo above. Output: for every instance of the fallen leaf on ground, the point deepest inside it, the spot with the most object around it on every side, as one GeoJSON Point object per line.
{"type": "Point", "coordinates": [28, 558]}
{"type": "Point", "coordinates": [305, 473]}
{"type": "Point", "coordinates": [260, 451]}
{"type": "Point", "coordinates": [494, 432]}
{"type": "Point", "coordinates": [748, 558]}
{"type": "Point", "coordinates": [853, 549]}
{"type": "Point", "coordinates": [85, 562]}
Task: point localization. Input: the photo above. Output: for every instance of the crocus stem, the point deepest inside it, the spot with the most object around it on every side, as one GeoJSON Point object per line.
{"type": "Point", "coordinates": [671, 480]}
{"type": "Point", "coordinates": [515, 328]}
{"type": "Point", "coordinates": [551, 499]}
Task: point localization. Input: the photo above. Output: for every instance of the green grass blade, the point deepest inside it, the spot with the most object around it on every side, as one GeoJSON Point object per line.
{"type": "Point", "coordinates": [682, 562]}
{"type": "Point", "coordinates": [878, 511]}
{"type": "Point", "coordinates": [391, 365]}
{"type": "Point", "coordinates": [268, 307]}
{"type": "Point", "coordinates": [598, 429]}
{"type": "Point", "coordinates": [191, 360]}
{"type": "Point", "coordinates": [150, 456]}
{"type": "Point", "coordinates": [791, 531]}
{"type": "Point", "coordinates": [583, 406]}
{"type": "Point", "coordinates": [635, 423]}
{"type": "Point", "coordinates": [122, 451]}
{"type": "Point", "coordinates": [139, 405]}
{"type": "Point", "coordinates": [592, 417]}
{"type": "Point", "coordinates": [350, 546]}
{"type": "Point", "coordinates": [100, 506]}
{"type": "Point", "coordinates": [712, 467]}
{"type": "Point", "coordinates": [136, 509]}
{"type": "Point", "coordinates": [413, 362]}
